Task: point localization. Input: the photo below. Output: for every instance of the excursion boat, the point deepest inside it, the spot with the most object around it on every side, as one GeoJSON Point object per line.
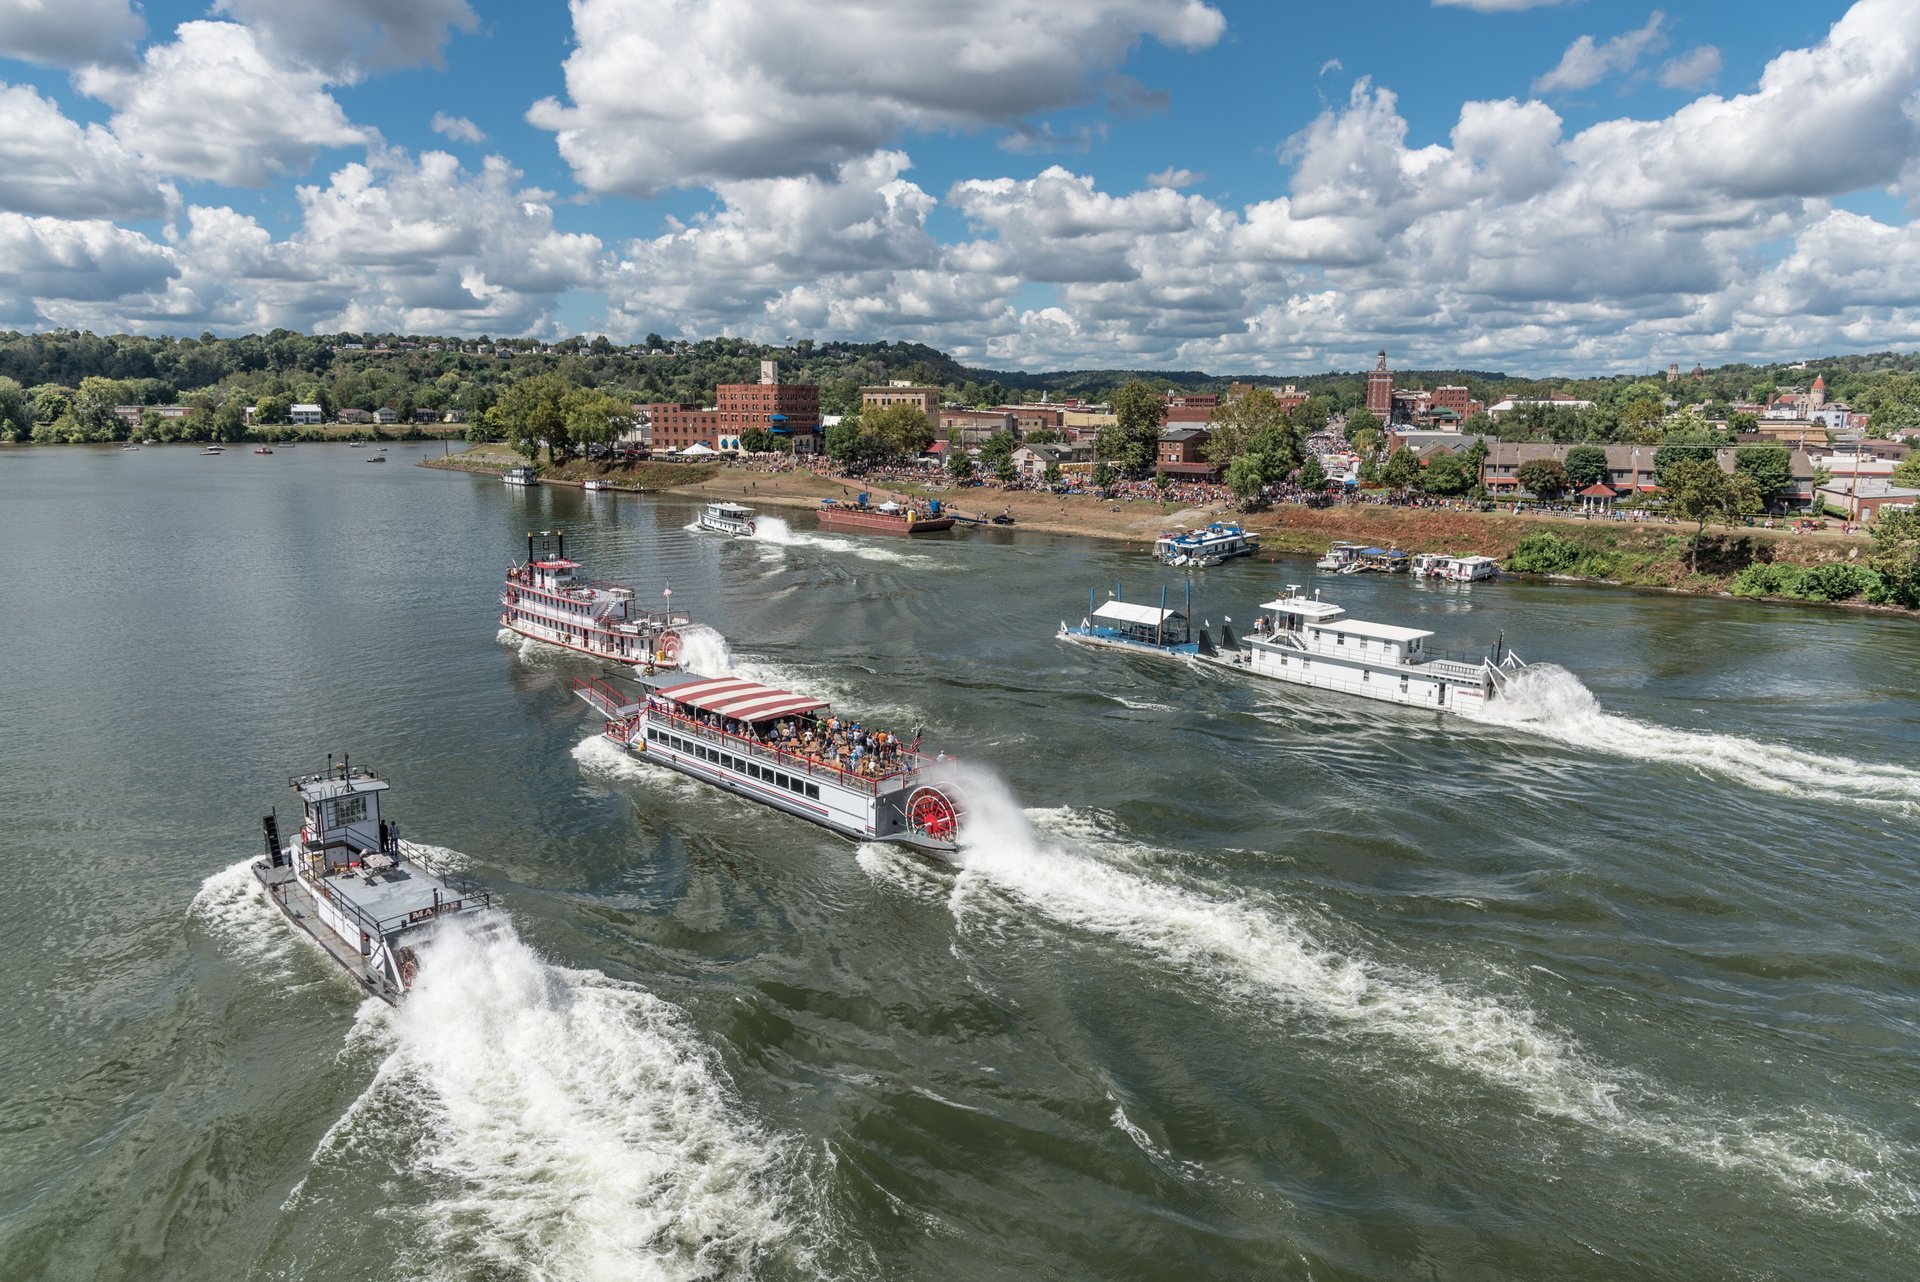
{"type": "Point", "coordinates": [521, 476]}
{"type": "Point", "coordinates": [727, 518]}
{"type": "Point", "coordinates": [1209, 545]}
{"type": "Point", "coordinates": [887, 518]}
{"type": "Point", "coordinates": [787, 751]}
{"type": "Point", "coordinates": [596, 485]}
{"type": "Point", "coordinates": [350, 883]}
{"type": "Point", "coordinates": [1338, 557]}
{"type": "Point", "coordinates": [546, 601]}
{"type": "Point", "coordinates": [1453, 569]}
{"type": "Point", "coordinates": [1306, 641]}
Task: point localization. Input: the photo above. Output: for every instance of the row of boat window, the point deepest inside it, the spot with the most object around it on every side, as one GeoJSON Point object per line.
{"type": "Point", "coordinates": [1365, 675]}
{"type": "Point", "coordinates": [751, 769]}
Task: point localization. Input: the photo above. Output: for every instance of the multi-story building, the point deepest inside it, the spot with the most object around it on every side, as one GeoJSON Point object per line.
{"type": "Point", "coordinates": [924, 399]}
{"type": "Point", "coordinates": [785, 409]}
{"type": "Point", "coordinates": [1380, 390]}
{"type": "Point", "coordinates": [671, 426]}
{"type": "Point", "coordinates": [1182, 452]}
{"type": "Point", "coordinates": [971, 428]}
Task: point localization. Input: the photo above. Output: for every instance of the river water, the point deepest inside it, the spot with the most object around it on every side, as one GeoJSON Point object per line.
{"type": "Point", "coordinates": [1230, 981]}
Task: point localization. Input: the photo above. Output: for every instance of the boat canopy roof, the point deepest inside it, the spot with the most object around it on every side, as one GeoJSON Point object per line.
{"type": "Point", "coordinates": [1306, 607]}
{"type": "Point", "coordinates": [1379, 631]}
{"type": "Point", "coordinates": [741, 700]}
{"type": "Point", "coordinates": [1151, 616]}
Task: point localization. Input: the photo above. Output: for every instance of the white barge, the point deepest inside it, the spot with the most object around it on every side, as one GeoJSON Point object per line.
{"type": "Point", "coordinates": [350, 883]}
{"type": "Point", "coordinates": [728, 518]}
{"type": "Point", "coordinates": [545, 600]}
{"type": "Point", "coordinates": [1309, 642]}
{"type": "Point", "coordinates": [516, 475]}
{"type": "Point", "coordinates": [787, 751]}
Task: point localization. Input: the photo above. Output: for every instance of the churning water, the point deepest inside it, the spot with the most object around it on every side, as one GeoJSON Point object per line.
{"type": "Point", "coordinates": [1228, 980]}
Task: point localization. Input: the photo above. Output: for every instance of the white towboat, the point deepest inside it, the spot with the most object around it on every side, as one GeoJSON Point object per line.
{"type": "Point", "coordinates": [347, 880]}
{"type": "Point", "coordinates": [788, 751]}
{"type": "Point", "coordinates": [521, 476]}
{"type": "Point", "coordinates": [545, 600]}
{"type": "Point", "coordinates": [728, 518]}
{"type": "Point", "coordinates": [1310, 642]}
{"type": "Point", "coordinates": [1453, 569]}
{"type": "Point", "coordinates": [596, 485]}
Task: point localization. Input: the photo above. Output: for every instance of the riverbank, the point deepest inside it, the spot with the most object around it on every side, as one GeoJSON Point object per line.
{"type": "Point", "coordinates": [1610, 553]}
{"type": "Point", "coordinates": [634, 478]}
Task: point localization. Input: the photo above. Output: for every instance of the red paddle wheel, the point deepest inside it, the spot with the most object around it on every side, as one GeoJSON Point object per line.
{"type": "Point", "coordinates": [937, 811]}
{"type": "Point", "coordinates": [669, 645]}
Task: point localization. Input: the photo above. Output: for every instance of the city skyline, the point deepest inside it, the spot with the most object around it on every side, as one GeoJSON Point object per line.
{"type": "Point", "coordinates": [1491, 184]}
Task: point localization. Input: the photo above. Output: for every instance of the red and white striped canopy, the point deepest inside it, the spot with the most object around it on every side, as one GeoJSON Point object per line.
{"type": "Point", "coordinates": [741, 700]}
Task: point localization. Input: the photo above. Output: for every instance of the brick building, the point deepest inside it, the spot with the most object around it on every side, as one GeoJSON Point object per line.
{"type": "Point", "coordinates": [1181, 453]}
{"type": "Point", "coordinates": [1380, 390]}
{"type": "Point", "coordinates": [971, 428]}
{"type": "Point", "coordinates": [924, 399]}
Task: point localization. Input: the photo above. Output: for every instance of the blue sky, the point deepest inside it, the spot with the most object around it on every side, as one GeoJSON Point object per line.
{"type": "Point", "coordinates": [1175, 183]}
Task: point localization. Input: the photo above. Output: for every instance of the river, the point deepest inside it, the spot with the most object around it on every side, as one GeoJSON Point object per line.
{"type": "Point", "coordinates": [1229, 981]}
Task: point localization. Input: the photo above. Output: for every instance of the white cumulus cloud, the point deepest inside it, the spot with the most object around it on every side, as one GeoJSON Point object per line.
{"type": "Point", "coordinates": [349, 38]}
{"type": "Point", "coordinates": [214, 105]}
{"type": "Point", "coordinates": [1692, 69]}
{"type": "Point", "coordinates": [1587, 62]}
{"type": "Point", "coordinates": [458, 128]}
{"type": "Point", "coordinates": [52, 165]}
{"type": "Point", "coordinates": [70, 33]}
{"type": "Point", "coordinates": [667, 93]}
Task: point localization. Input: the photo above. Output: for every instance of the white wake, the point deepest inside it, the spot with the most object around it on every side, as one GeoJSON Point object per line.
{"type": "Point", "coordinates": [773, 531]}
{"type": "Point", "coordinates": [1271, 964]}
{"type": "Point", "coordinates": [564, 1125]}
{"type": "Point", "coordinates": [1548, 700]}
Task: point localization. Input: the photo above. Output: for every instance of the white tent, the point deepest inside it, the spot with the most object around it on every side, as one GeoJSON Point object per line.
{"type": "Point", "coordinates": [699, 447]}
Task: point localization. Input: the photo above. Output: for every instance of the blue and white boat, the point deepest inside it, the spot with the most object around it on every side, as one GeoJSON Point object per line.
{"type": "Point", "coordinates": [1209, 545]}
{"type": "Point", "coordinates": [1142, 629]}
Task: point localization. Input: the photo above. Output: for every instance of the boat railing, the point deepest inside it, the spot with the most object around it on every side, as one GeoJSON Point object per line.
{"type": "Point", "coordinates": [872, 785]}
{"type": "Point", "coordinates": [471, 894]}
{"type": "Point", "coordinates": [604, 696]}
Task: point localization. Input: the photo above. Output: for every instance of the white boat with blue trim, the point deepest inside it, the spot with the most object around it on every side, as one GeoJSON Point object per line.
{"type": "Point", "coordinates": [1306, 641]}
{"type": "Point", "coordinates": [1209, 545]}
{"type": "Point", "coordinates": [788, 751]}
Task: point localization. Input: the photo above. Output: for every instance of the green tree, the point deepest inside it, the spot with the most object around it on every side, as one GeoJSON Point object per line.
{"type": "Point", "coordinates": [959, 466]}
{"type": "Point", "coordinates": [1131, 441]}
{"type": "Point", "coordinates": [1543, 477]}
{"type": "Point", "coordinates": [1586, 465]}
{"type": "Point", "coordinates": [1907, 473]}
{"type": "Point", "coordinates": [1045, 436]}
{"type": "Point", "coordinates": [1238, 420]}
{"type": "Point", "coordinates": [1004, 469]}
{"type": "Point", "coordinates": [230, 420]}
{"type": "Point", "coordinates": [840, 440]}
{"type": "Point", "coordinates": [904, 429]}
{"type": "Point", "coordinates": [756, 440]}
{"type": "Point", "coordinates": [1896, 555]}
{"type": "Point", "coordinates": [1313, 476]}
{"type": "Point", "coordinates": [533, 412]}
{"type": "Point", "coordinates": [1697, 490]}
{"type": "Point", "coordinates": [1770, 466]}
{"type": "Point", "coordinates": [1052, 476]}
{"type": "Point", "coordinates": [1448, 474]}
{"type": "Point", "coordinates": [16, 416]}
{"type": "Point", "coordinates": [1402, 469]}
{"type": "Point", "coordinates": [272, 410]}
{"type": "Point", "coordinates": [997, 449]}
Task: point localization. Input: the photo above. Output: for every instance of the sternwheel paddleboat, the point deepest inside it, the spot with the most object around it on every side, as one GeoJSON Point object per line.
{"type": "Point", "coordinates": [545, 599]}
{"type": "Point", "coordinates": [862, 516]}
{"type": "Point", "coordinates": [788, 751]}
{"type": "Point", "coordinates": [348, 881]}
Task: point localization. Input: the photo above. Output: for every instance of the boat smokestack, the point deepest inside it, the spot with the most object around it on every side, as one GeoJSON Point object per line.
{"type": "Point", "coordinates": [529, 547]}
{"type": "Point", "coordinates": [560, 536]}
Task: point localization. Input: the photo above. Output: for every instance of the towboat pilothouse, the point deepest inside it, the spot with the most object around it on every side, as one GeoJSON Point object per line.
{"type": "Point", "coordinates": [788, 751]}
{"type": "Point", "coordinates": [347, 880]}
{"type": "Point", "coordinates": [728, 518]}
{"type": "Point", "coordinates": [545, 600]}
{"type": "Point", "coordinates": [1310, 642]}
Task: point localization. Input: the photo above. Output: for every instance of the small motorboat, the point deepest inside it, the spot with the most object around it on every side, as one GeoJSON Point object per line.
{"type": "Point", "coordinates": [262, 449]}
{"type": "Point", "coordinates": [377, 458]}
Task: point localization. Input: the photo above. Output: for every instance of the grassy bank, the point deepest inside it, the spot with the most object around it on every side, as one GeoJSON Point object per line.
{"type": "Point", "coordinates": [493, 460]}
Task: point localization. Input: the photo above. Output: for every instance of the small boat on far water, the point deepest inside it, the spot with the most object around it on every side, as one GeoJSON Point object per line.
{"type": "Point", "coordinates": [263, 449]}
{"type": "Point", "coordinates": [129, 446]}
{"type": "Point", "coordinates": [346, 879]}
{"type": "Point", "coordinates": [728, 518]}
{"type": "Point", "coordinates": [521, 476]}
{"type": "Point", "coordinates": [376, 458]}
{"type": "Point", "coordinates": [596, 485]}
{"type": "Point", "coordinates": [214, 449]}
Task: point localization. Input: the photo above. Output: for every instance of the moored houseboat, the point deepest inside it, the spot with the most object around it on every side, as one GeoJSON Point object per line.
{"type": "Point", "coordinates": [1141, 629]}
{"type": "Point", "coordinates": [886, 518]}
{"type": "Point", "coordinates": [546, 600]}
{"type": "Point", "coordinates": [1209, 545]}
{"type": "Point", "coordinates": [1453, 569]}
{"type": "Point", "coordinates": [1306, 641]}
{"type": "Point", "coordinates": [1338, 557]}
{"type": "Point", "coordinates": [521, 476]}
{"type": "Point", "coordinates": [728, 518]}
{"type": "Point", "coordinates": [788, 751]}
{"type": "Point", "coordinates": [346, 879]}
